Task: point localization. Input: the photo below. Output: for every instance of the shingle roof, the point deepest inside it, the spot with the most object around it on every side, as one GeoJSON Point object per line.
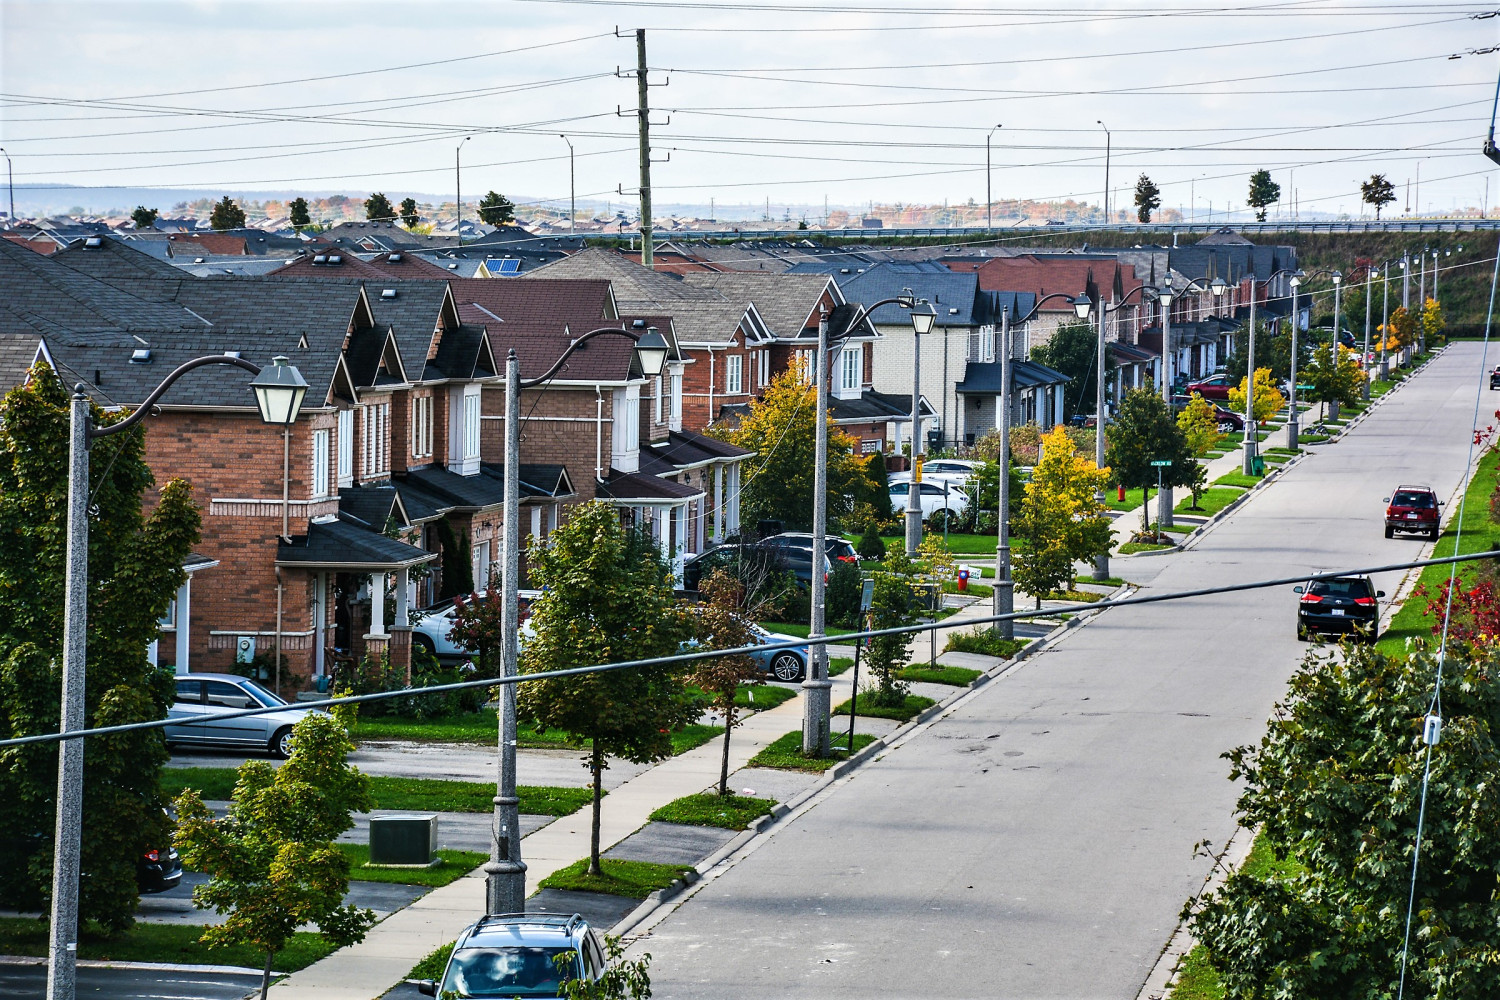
{"type": "Point", "coordinates": [641, 486]}
{"type": "Point", "coordinates": [946, 290]}
{"type": "Point", "coordinates": [372, 507]}
{"type": "Point", "coordinates": [114, 259]}
{"type": "Point", "coordinates": [1070, 274]}
{"type": "Point", "coordinates": [343, 544]}
{"type": "Point", "coordinates": [983, 377]}
{"type": "Point", "coordinates": [788, 303]}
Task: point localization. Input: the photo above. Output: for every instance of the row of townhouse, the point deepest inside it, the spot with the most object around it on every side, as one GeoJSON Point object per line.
{"type": "Point", "coordinates": [391, 477]}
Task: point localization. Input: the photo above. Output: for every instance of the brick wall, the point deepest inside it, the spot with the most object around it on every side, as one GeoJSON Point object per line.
{"type": "Point", "coordinates": [704, 382]}
{"type": "Point", "coordinates": [558, 426]}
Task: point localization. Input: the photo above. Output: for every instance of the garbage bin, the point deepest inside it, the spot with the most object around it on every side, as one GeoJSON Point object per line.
{"type": "Point", "coordinates": [1258, 466]}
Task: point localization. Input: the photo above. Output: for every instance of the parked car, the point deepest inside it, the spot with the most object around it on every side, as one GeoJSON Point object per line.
{"type": "Point", "coordinates": [765, 557]}
{"type": "Point", "coordinates": [794, 552]}
{"type": "Point", "coordinates": [158, 870]}
{"type": "Point", "coordinates": [955, 471]}
{"type": "Point", "coordinates": [1337, 606]}
{"type": "Point", "coordinates": [1495, 378]}
{"type": "Point", "coordinates": [519, 955]}
{"type": "Point", "coordinates": [208, 694]}
{"type": "Point", "coordinates": [1213, 387]}
{"type": "Point", "coordinates": [1415, 509]}
{"type": "Point", "coordinates": [838, 549]}
{"type": "Point", "coordinates": [1228, 420]}
{"type": "Point", "coordinates": [430, 631]}
{"type": "Point", "coordinates": [782, 664]}
{"type": "Point", "coordinates": [933, 498]}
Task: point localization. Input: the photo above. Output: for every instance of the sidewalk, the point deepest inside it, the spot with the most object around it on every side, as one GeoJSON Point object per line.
{"type": "Point", "coordinates": [393, 946]}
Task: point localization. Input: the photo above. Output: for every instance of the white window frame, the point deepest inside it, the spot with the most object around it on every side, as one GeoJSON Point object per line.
{"type": "Point", "coordinates": [677, 395]}
{"type": "Point", "coordinates": [734, 374]}
{"type": "Point", "coordinates": [376, 434]}
{"type": "Point", "coordinates": [346, 447]}
{"type": "Point", "coordinates": [851, 368]}
{"type": "Point", "coordinates": [657, 401]}
{"type": "Point", "coordinates": [320, 481]}
{"type": "Point", "coordinates": [421, 426]}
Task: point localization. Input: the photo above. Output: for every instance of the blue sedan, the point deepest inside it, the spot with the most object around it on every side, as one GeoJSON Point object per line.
{"type": "Point", "coordinates": [787, 664]}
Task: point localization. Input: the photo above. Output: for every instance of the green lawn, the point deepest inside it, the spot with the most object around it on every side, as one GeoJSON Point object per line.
{"type": "Point", "coordinates": [956, 676]}
{"type": "Point", "coordinates": [1081, 596]}
{"type": "Point", "coordinates": [1180, 529]}
{"type": "Point", "coordinates": [1133, 499]}
{"type": "Point", "coordinates": [1480, 534]}
{"type": "Point", "coordinates": [1210, 503]}
{"type": "Point", "coordinates": [418, 794]}
{"type": "Point", "coordinates": [762, 697]}
{"type": "Point", "coordinates": [838, 664]}
{"type": "Point", "coordinates": [960, 544]}
{"type": "Point", "coordinates": [1131, 548]}
{"type": "Point", "coordinates": [785, 754]}
{"type": "Point", "coordinates": [1237, 479]}
{"type": "Point", "coordinates": [1113, 581]}
{"type": "Point", "coordinates": [985, 641]}
{"type": "Point", "coordinates": [483, 727]}
{"type": "Point", "coordinates": [456, 864]}
{"type": "Point", "coordinates": [636, 879]}
{"type": "Point", "coordinates": [801, 631]}
{"type": "Point", "coordinates": [433, 965]}
{"type": "Point", "coordinates": [914, 705]}
{"type": "Point", "coordinates": [175, 943]}
{"type": "Point", "coordinates": [732, 812]}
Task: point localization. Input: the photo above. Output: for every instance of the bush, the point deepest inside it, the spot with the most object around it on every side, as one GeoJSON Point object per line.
{"type": "Point", "coordinates": [985, 641]}
{"type": "Point", "coordinates": [870, 546]}
{"type": "Point", "coordinates": [842, 597]}
{"type": "Point", "coordinates": [372, 676]}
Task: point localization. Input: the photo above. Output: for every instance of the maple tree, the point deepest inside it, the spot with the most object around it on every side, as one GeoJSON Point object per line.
{"type": "Point", "coordinates": [1061, 518]}
{"type": "Point", "coordinates": [722, 620]}
{"type": "Point", "coordinates": [1199, 424]}
{"type": "Point", "coordinates": [1268, 397]}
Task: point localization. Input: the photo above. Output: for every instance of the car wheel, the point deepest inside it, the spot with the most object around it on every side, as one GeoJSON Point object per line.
{"type": "Point", "coordinates": [786, 667]}
{"type": "Point", "coordinates": [1432, 535]}
{"type": "Point", "coordinates": [1390, 532]}
{"type": "Point", "coordinates": [424, 642]}
{"type": "Point", "coordinates": [281, 743]}
{"type": "Point", "coordinates": [1225, 427]}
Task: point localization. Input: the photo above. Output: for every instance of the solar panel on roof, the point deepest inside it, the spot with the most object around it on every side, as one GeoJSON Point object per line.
{"type": "Point", "coordinates": [509, 266]}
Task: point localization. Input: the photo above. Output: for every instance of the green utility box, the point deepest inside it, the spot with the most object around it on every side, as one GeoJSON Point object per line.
{"type": "Point", "coordinates": [1258, 466]}
{"type": "Point", "coordinates": [405, 841]}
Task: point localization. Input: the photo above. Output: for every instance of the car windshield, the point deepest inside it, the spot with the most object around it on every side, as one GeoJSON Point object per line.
{"type": "Point", "coordinates": [1407, 498]}
{"type": "Point", "coordinates": [1340, 588]}
{"type": "Point", "coordinates": [260, 694]}
{"type": "Point", "coordinates": [509, 972]}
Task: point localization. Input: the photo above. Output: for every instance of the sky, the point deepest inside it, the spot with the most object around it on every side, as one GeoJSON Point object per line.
{"type": "Point", "coordinates": [783, 103]}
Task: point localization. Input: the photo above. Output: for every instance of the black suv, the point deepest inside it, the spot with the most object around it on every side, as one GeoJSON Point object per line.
{"type": "Point", "coordinates": [785, 553]}
{"type": "Point", "coordinates": [1412, 508]}
{"type": "Point", "coordinates": [1339, 605]}
{"type": "Point", "coordinates": [1495, 378]}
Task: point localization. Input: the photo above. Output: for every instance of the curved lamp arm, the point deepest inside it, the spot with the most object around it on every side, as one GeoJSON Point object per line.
{"type": "Point", "coordinates": [1124, 299]}
{"type": "Point", "coordinates": [150, 401]}
{"type": "Point", "coordinates": [616, 331]}
{"type": "Point", "coordinates": [906, 301]}
{"type": "Point", "coordinates": [1039, 302]}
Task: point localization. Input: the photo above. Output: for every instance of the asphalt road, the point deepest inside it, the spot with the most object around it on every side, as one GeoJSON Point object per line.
{"type": "Point", "coordinates": [29, 982]}
{"type": "Point", "coordinates": [1038, 840]}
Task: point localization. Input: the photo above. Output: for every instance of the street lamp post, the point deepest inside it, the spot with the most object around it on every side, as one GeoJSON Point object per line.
{"type": "Point", "coordinates": [9, 183]}
{"type": "Point", "coordinates": [1364, 358]}
{"type": "Point", "coordinates": [572, 188]}
{"type": "Point", "coordinates": [458, 192]}
{"type": "Point", "coordinates": [278, 395]}
{"type": "Point", "coordinates": [1108, 139]}
{"type": "Point", "coordinates": [816, 687]}
{"type": "Point", "coordinates": [921, 323]}
{"type": "Point", "coordinates": [1165, 295]}
{"type": "Point", "coordinates": [1385, 321]}
{"type": "Point", "coordinates": [1003, 595]}
{"type": "Point", "coordinates": [989, 198]}
{"type": "Point", "coordinates": [505, 872]}
{"type": "Point", "coordinates": [1293, 436]}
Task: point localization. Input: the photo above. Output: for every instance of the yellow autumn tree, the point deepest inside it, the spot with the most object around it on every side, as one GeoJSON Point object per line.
{"type": "Point", "coordinates": [1268, 398]}
{"type": "Point", "coordinates": [1432, 320]}
{"type": "Point", "coordinates": [1061, 518]}
{"type": "Point", "coordinates": [1200, 425]}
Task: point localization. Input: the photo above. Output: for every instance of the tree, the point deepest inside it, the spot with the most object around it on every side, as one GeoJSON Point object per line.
{"type": "Point", "coordinates": [1377, 191]}
{"type": "Point", "coordinates": [479, 624]}
{"type": "Point", "coordinates": [1334, 379]}
{"type": "Point", "coordinates": [409, 212]}
{"type": "Point", "coordinates": [721, 620]}
{"type": "Point", "coordinates": [1432, 321]}
{"type": "Point", "coordinates": [496, 209]}
{"type": "Point", "coordinates": [879, 480]}
{"type": "Point", "coordinates": [1200, 425]}
{"type": "Point", "coordinates": [135, 565]}
{"type": "Point", "coordinates": [1263, 192]}
{"type": "Point", "coordinates": [1401, 331]}
{"type": "Point", "coordinates": [272, 862]}
{"type": "Point", "coordinates": [624, 979]}
{"type": "Point", "coordinates": [143, 217]}
{"type": "Point", "coordinates": [1336, 787]}
{"type": "Point", "coordinates": [226, 215]}
{"type": "Point", "coordinates": [1268, 398]}
{"type": "Point", "coordinates": [1147, 198]}
{"type": "Point", "coordinates": [870, 546]}
{"type": "Point", "coordinates": [606, 597]}
{"type": "Point", "coordinates": [1273, 351]}
{"type": "Point", "coordinates": [891, 604]}
{"type": "Point", "coordinates": [300, 220]}
{"type": "Point", "coordinates": [1073, 349]}
{"type": "Point", "coordinates": [780, 429]}
{"type": "Point", "coordinates": [1198, 484]}
{"type": "Point", "coordinates": [378, 208]}
{"type": "Point", "coordinates": [1061, 519]}
{"type": "Point", "coordinates": [1144, 432]}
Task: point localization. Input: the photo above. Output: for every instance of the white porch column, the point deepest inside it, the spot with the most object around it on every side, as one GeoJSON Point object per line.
{"type": "Point", "coordinates": [679, 541]}
{"type": "Point", "coordinates": [377, 604]}
{"type": "Point", "coordinates": [732, 514]}
{"type": "Point", "coordinates": [320, 623]}
{"type": "Point", "coordinates": [718, 503]}
{"type": "Point", "coordinates": [700, 524]}
{"type": "Point", "coordinates": [184, 595]}
{"type": "Point", "coordinates": [403, 596]}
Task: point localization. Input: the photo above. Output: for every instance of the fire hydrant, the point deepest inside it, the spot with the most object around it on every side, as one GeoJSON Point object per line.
{"type": "Point", "coordinates": [1120, 492]}
{"type": "Point", "coordinates": [963, 578]}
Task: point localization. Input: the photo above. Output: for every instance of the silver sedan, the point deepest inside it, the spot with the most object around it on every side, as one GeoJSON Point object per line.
{"type": "Point", "coordinates": [209, 694]}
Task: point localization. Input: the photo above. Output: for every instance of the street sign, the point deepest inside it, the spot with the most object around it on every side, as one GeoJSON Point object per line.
{"type": "Point", "coordinates": [1166, 461]}
{"type": "Point", "coordinates": [866, 594]}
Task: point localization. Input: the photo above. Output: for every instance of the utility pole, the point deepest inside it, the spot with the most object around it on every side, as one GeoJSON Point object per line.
{"type": "Point", "coordinates": [1107, 140]}
{"type": "Point", "coordinates": [816, 686]}
{"type": "Point", "coordinates": [10, 183]}
{"type": "Point", "coordinates": [572, 189]}
{"type": "Point", "coordinates": [643, 112]}
{"type": "Point", "coordinates": [1004, 592]}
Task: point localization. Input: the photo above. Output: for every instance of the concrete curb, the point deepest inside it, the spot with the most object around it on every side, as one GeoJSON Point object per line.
{"type": "Point", "coordinates": [98, 963]}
